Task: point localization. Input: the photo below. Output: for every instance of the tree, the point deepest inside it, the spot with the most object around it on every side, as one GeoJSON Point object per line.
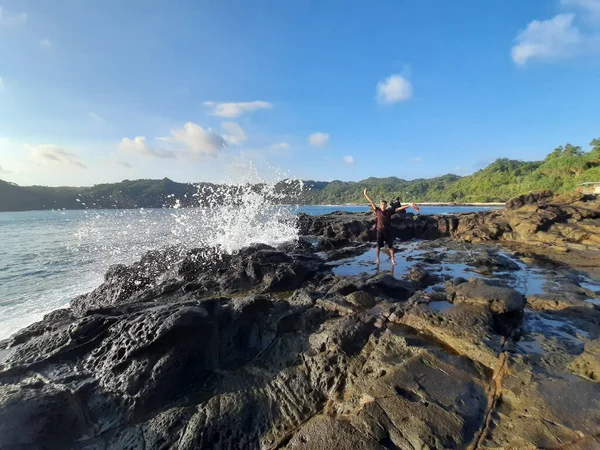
{"type": "Point", "coordinates": [571, 150]}
{"type": "Point", "coordinates": [556, 153]}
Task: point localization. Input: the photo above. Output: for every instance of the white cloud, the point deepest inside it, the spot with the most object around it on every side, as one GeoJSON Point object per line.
{"type": "Point", "coordinates": [394, 89]}
{"type": "Point", "coordinates": [280, 146]}
{"type": "Point", "coordinates": [54, 154]}
{"type": "Point", "coordinates": [197, 140]}
{"type": "Point", "coordinates": [9, 19]}
{"type": "Point", "coordinates": [96, 117]}
{"type": "Point", "coordinates": [192, 139]}
{"type": "Point", "coordinates": [591, 7]}
{"type": "Point", "coordinates": [318, 139]}
{"type": "Point", "coordinates": [234, 134]}
{"type": "Point", "coordinates": [46, 43]}
{"type": "Point", "coordinates": [139, 145]}
{"type": "Point", "coordinates": [417, 159]}
{"type": "Point", "coordinates": [1, 84]}
{"type": "Point", "coordinates": [348, 159]}
{"type": "Point", "coordinates": [3, 170]}
{"type": "Point", "coordinates": [236, 109]}
{"type": "Point", "coordinates": [547, 40]}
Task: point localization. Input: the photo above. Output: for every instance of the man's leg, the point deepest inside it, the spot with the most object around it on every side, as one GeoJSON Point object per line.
{"type": "Point", "coordinates": [380, 242]}
{"type": "Point", "coordinates": [390, 244]}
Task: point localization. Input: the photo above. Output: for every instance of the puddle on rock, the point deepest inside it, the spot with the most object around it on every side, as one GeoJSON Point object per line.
{"type": "Point", "coordinates": [530, 346]}
{"type": "Point", "coordinates": [543, 326]}
{"type": "Point", "coordinates": [365, 263]}
{"type": "Point", "coordinates": [448, 260]}
{"type": "Point", "coordinates": [441, 305]}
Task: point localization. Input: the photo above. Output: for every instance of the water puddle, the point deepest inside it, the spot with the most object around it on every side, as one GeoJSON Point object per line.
{"type": "Point", "coordinates": [530, 346]}
{"type": "Point", "coordinates": [538, 326]}
{"type": "Point", "coordinates": [6, 353]}
{"type": "Point", "coordinates": [449, 260]}
{"type": "Point", "coordinates": [375, 311]}
{"type": "Point", "coordinates": [441, 305]}
{"type": "Point", "coordinates": [365, 263]}
{"type": "Point", "coordinates": [590, 285]}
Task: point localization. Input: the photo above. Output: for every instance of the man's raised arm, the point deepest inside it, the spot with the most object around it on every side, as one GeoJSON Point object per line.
{"type": "Point", "coordinates": [369, 199]}
{"type": "Point", "coordinates": [412, 205]}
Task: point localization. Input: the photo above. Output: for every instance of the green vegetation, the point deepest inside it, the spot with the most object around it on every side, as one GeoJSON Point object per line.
{"type": "Point", "coordinates": [560, 171]}
{"type": "Point", "coordinates": [564, 168]}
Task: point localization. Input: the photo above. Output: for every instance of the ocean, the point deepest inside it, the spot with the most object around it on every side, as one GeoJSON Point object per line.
{"type": "Point", "coordinates": [49, 257]}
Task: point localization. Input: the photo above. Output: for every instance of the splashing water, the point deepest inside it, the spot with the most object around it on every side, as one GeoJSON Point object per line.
{"type": "Point", "coordinates": [246, 209]}
{"type": "Point", "coordinates": [50, 257]}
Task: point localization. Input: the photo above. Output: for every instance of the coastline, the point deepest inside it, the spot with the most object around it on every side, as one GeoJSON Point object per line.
{"type": "Point", "coordinates": [424, 204]}
{"type": "Point", "coordinates": [282, 204]}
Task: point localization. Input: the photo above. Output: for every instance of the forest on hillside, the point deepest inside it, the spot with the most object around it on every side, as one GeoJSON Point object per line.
{"type": "Point", "coordinates": [561, 171]}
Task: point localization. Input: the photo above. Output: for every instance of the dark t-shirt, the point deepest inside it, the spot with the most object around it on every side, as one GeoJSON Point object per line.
{"type": "Point", "coordinates": [384, 218]}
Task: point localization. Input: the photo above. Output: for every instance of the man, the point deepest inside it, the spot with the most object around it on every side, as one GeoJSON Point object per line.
{"type": "Point", "coordinates": [384, 224]}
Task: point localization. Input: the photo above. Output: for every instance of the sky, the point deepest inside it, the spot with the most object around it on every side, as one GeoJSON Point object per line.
{"type": "Point", "coordinates": [198, 90]}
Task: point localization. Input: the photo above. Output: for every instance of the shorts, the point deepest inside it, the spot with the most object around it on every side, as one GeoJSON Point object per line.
{"type": "Point", "coordinates": [385, 236]}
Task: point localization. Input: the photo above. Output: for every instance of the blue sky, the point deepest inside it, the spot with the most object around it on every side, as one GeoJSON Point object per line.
{"type": "Point", "coordinates": [96, 92]}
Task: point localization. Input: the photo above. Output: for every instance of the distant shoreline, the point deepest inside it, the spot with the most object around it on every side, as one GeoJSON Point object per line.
{"type": "Point", "coordinates": [341, 205]}
{"type": "Point", "coordinates": [421, 204]}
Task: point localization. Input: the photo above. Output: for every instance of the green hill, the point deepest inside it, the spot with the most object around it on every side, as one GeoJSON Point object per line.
{"type": "Point", "coordinates": [564, 168]}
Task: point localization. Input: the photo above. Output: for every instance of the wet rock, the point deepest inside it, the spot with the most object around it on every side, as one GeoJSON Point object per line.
{"type": "Point", "coordinates": [337, 304]}
{"type": "Point", "coordinates": [421, 278]}
{"type": "Point", "coordinates": [257, 268]}
{"type": "Point", "coordinates": [344, 286]}
{"type": "Point", "coordinates": [267, 348]}
{"type": "Point", "coordinates": [361, 226]}
{"type": "Point", "coordinates": [346, 252]}
{"type": "Point", "coordinates": [556, 301]}
{"type": "Point", "coordinates": [500, 300]}
{"type": "Point", "coordinates": [387, 285]}
{"type": "Point", "coordinates": [465, 329]}
{"type": "Point", "coordinates": [361, 298]}
{"type": "Point", "coordinates": [332, 243]}
{"type": "Point", "coordinates": [302, 298]}
{"type": "Point", "coordinates": [563, 229]}
{"type": "Point", "coordinates": [458, 280]}
{"type": "Point", "coordinates": [492, 263]}
{"type": "Point", "coordinates": [538, 410]}
{"type": "Point", "coordinates": [34, 414]}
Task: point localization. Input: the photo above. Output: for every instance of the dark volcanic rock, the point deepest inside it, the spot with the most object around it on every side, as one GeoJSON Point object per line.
{"type": "Point", "coordinates": [361, 298]}
{"type": "Point", "coordinates": [361, 226]}
{"type": "Point", "coordinates": [421, 278]}
{"type": "Point", "coordinates": [563, 229]}
{"type": "Point", "coordinates": [258, 268]}
{"type": "Point", "coordinates": [388, 286]}
{"type": "Point", "coordinates": [267, 348]}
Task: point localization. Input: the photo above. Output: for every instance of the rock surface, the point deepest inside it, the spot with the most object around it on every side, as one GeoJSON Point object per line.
{"type": "Point", "coordinates": [458, 347]}
{"type": "Point", "coordinates": [563, 229]}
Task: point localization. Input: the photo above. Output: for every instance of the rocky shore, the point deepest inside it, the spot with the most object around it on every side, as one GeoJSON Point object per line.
{"type": "Point", "coordinates": [485, 336]}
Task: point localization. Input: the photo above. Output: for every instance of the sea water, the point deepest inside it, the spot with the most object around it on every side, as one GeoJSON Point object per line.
{"type": "Point", "coordinates": [49, 257]}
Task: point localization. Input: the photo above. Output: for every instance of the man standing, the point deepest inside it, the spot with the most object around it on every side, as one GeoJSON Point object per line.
{"type": "Point", "coordinates": [384, 224]}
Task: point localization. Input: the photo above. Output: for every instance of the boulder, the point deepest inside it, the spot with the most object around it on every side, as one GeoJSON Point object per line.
{"type": "Point", "coordinates": [361, 298]}
{"type": "Point", "coordinates": [500, 300]}
{"type": "Point", "coordinates": [387, 285]}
